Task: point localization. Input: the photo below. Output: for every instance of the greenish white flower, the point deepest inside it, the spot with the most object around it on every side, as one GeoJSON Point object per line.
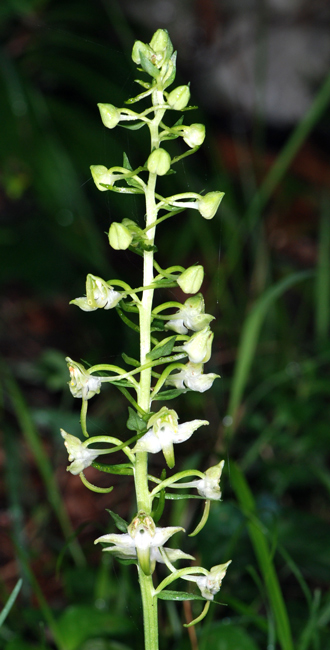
{"type": "Point", "coordinates": [165, 432]}
{"type": "Point", "coordinates": [99, 295]}
{"type": "Point", "coordinates": [110, 115]}
{"type": "Point", "coordinates": [82, 383]}
{"type": "Point", "coordinates": [199, 346]}
{"type": "Point", "coordinates": [159, 162]}
{"type": "Point", "coordinates": [210, 585]}
{"type": "Point", "coordinates": [191, 280]}
{"type": "Point", "coordinates": [193, 135]}
{"type": "Point", "coordinates": [192, 377]}
{"type": "Point", "coordinates": [191, 316]}
{"type": "Point", "coordinates": [209, 486]}
{"type": "Point", "coordinates": [80, 455]}
{"type": "Point", "coordinates": [208, 204]}
{"type": "Point", "coordinates": [143, 541]}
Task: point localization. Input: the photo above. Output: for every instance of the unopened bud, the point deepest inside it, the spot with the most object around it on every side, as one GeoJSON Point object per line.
{"type": "Point", "coordinates": [179, 97]}
{"type": "Point", "coordinates": [208, 204]}
{"type": "Point", "coordinates": [119, 236]}
{"type": "Point", "coordinates": [141, 47]}
{"type": "Point", "coordinates": [194, 135]}
{"type": "Point", "coordinates": [110, 115]}
{"type": "Point", "coordinates": [190, 281]}
{"type": "Point", "coordinates": [159, 162]}
{"type": "Point", "coordinates": [101, 175]}
{"type": "Point", "coordinates": [161, 43]}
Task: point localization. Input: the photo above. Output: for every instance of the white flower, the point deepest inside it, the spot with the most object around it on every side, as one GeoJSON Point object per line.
{"type": "Point", "coordinates": [99, 294]}
{"type": "Point", "coordinates": [209, 486]}
{"type": "Point", "coordinates": [199, 346]}
{"type": "Point", "coordinates": [143, 541]}
{"type": "Point", "coordinates": [79, 455]}
{"type": "Point", "coordinates": [82, 383]}
{"type": "Point", "coordinates": [210, 585]}
{"type": "Point", "coordinates": [192, 377]}
{"type": "Point", "coordinates": [191, 316]}
{"type": "Point", "coordinates": [164, 432]}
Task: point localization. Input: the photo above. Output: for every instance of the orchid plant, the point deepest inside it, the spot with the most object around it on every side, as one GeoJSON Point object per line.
{"type": "Point", "coordinates": [175, 343]}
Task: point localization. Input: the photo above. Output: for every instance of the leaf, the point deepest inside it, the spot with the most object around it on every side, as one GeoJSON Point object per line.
{"type": "Point", "coordinates": [167, 594]}
{"type": "Point", "coordinates": [227, 636]}
{"type": "Point", "coordinates": [4, 613]}
{"type": "Point", "coordinates": [148, 67]}
{"type": "Point", "coordinates": [264, 557]}
{"type": "Point", "coordinates": [135, 422]}
{"type": "Point", "coordinates": [81, 622]}
{"type": "Point", "coordinates": [126, 162]}
{"type": "Point", "coordinates": [250, 335]}
{"type": "Point", "coordinates": [162, 350]}
{"type": "Point", "coordinates": [120, 523]}
{"type": "Point", "coordinates": [133, 127]}
{"type": "Point", "coordinates": [130, 361]}
{"type": "Point", "coordinates": [169, 394]}
{"type": "Point", "coordinates": [125, 469]}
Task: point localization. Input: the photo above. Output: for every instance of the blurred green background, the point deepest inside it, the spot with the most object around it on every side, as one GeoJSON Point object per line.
{"type": "Point", "coordinates": [267, 261]}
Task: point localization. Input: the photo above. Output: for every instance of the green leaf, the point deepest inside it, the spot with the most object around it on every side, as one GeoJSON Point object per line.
{"type": "Point", "coordinates": [226, 636]}
{"type": "Point", "coordinates": [130, 361]}
{"type": "Point", "coordinates": [250, 335]}
{"type": "Point", "coordinates": [4, 613]}
{"type": "Point", "coordinates": [81, 622]}
{"type": "Point", "coordinates": [125, 469]}
{"type": "Point", "coordinates": [132, 127]}
{"type": "Point", "coordinates": [167, 594]}
{"type": "Point", "coordinates": [169, 394]}
{"type": "Point", "coordinates": [144, 84]}
{"type": "Point", "coordinates": [264, 557]}
{"type": "Point", "coordinates": [162, 350]}
{"type": "Point", "coordinates": [120, 523]}
{"type": "Point", "coordinates": [148, 67]}
{"type": "Point", "coordinates": [126, 162]}
{"type": "Point", "coordinates": [135, 422]}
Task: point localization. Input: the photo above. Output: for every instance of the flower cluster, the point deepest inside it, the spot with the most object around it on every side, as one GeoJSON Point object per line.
{"type": "Point", "coordinates": [168, 364]}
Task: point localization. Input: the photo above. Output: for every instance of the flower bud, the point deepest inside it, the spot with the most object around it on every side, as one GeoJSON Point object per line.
{"type": "Point", "coordinates": [161, 43]}
{"type": "Point", "coordinates": [194, 135]}
{"type": "Point", "coordinates": [141, 47]}
{"type": "Point", "coordinates": [179, 97]}
{"type": "Point", "coordinates": [159, 162]}
{"type": "Point", "coordinates": [101, 175]}
{"type": "Point", "coordinates": [199, 346]}
{"type": "Point", "coordinates": [208, 204]}
{"type": "Point", "coordinates": [110, 115]}
{"type": "Point", "coordinates": [119, 236]}
{"type": "Point", "coordinates": [190, 281]}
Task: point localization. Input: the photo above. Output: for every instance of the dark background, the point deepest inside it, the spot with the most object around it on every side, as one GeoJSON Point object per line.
{"type": "Point", "coordinates": [258, 72]}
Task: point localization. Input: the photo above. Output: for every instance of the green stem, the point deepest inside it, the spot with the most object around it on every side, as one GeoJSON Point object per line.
{"type": "Point", "coordinates": [144, 500]}
{"type": "Point", "coordinates": [150, 616]}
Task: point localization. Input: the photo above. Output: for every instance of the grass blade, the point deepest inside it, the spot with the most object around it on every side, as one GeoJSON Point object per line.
{"type": "Point", "coordinates": [250, 335]}
{"type": "Point", "coordinates": [264, 558]}
{"type": "Point", "coordinates": [287, 154]}
{"type": "Point", "coordinates": [322, 284]}
{"type": "Point", "coordinates": [45, 469]}
{"type": "Point", "coordinates": [4, 613]}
